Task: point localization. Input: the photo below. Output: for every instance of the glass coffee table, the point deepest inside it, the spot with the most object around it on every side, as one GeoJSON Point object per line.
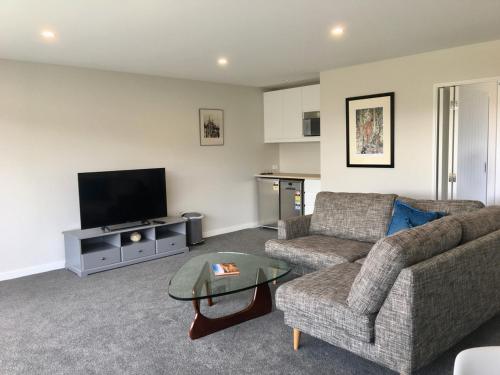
{"type": "Point", "coordinates": [195, 281]}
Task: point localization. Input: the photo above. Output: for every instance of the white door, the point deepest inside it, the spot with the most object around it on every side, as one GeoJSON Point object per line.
{"type": "Point", "coordinates": [467, 142]}
{"type": "Point", "coordinates": [471, 140]}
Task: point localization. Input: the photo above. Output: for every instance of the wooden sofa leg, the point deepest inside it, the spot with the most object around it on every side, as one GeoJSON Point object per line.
{"type": "Point", "coordinates": [296, 339]}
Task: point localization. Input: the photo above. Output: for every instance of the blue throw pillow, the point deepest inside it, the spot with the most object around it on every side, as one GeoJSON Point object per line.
{"type": "Point", "coordinates": [406, 217]}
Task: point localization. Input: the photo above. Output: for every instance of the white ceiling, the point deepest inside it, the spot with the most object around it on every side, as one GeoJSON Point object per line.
{"type": "Point", "coordinates": [267, 42]}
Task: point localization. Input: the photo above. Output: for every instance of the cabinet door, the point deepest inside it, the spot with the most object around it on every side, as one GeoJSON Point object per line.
{"type": "Point", "coordinates": [311, 188]}
{"type": "Point", "coordinates": [310, 98]}
{"type": "Point", "coordinates": [273, 115]}
{"type": "Point", "coordinates": [292, 113]}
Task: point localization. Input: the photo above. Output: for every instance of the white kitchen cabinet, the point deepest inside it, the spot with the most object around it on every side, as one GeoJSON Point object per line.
{"type": "Point", "coordinates": [292, 113]}
{"type": "Point", "coordinates": [283, 113]}
{"type": "Point", "coordinates": [310, 98]}
{"type": "Point", "coordinates": [311, 188]}
{"type": "Point", "coordinates": [273, 115]}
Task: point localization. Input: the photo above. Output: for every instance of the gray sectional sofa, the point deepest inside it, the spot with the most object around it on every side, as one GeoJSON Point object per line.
{"type": "Point", "coordinates": [397, 300]}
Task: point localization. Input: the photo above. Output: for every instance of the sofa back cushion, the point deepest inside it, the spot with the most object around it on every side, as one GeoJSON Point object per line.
{"type": "Point", "coordinates": [450, 207]}
{"type": "Point", "coordinates": [393, 253]}
{"type": "Point", "coordinates": [479, 223]}
{"type": "Point", "coordinates": [353, 216]}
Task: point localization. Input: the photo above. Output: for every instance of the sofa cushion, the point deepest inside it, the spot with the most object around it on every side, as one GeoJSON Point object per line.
{"type": "Point", "coordinates": [354, 216]}
{"type": "Point", "coordinates": [321, 297]}
{"type": "Point", "coordinates": [391, 254]}
{"type": "Point", "coordinates": [450, 207]}
{"type": "Point", "coordinates": [405, 217]}
{"type": "Point", "coordinates": [479, 223]}
{"type": "Point", "coordinates": [317, 251]}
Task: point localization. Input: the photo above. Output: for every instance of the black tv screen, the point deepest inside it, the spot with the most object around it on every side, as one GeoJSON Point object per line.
{"type": "Point", "coordinates": [109, 198]}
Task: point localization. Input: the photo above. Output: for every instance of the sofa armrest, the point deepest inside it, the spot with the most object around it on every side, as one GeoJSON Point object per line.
{"type": "Point", "coordinates": [437, 302]}
{"type": "Point", "coordinates": [294, 227]}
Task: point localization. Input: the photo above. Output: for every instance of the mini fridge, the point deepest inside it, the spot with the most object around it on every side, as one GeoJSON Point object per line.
{"type": "Point", "coordinates": [291, 198]}
{"type": "Point", "coordinates": [279, 199]}
{"type": "Point", "coordinates": [269, 201]}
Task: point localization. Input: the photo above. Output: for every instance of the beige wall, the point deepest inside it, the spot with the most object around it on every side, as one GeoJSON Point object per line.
{"type": "Point", "coordinates": [58, 121]}
{"type": "Point", "coordinates": [300, 157]}
{"type": "Point", "coordinates": [412, 78]}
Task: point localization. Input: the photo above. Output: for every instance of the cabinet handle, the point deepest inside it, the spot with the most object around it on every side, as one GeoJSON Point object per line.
{"type": "Point", "coordinates": [103, 258]}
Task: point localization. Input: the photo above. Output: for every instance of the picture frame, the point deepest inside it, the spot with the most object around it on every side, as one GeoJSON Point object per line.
{"type": "Point", "coordinates": [211, 124]}
{"type": "Point", "coordinates": [370, 131]}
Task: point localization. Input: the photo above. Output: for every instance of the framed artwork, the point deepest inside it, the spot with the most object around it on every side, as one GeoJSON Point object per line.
{"type": "Point", "coordinates": [211, 127]}
{"type": "Point", "coordinates": [370, 131]}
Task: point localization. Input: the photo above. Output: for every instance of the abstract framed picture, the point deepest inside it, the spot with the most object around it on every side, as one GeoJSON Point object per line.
{"type": "Point", "coordinates": [211, 127]}
{"type": "Point", "coordinates": [370, 131]}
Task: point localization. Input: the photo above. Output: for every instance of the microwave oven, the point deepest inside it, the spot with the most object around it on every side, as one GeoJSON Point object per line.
{"type": "Point", "coordinates": [311, 124]}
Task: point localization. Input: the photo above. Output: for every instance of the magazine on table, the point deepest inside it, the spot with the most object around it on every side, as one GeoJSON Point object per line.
{"type": "Point", "coordinates": [225, 269]}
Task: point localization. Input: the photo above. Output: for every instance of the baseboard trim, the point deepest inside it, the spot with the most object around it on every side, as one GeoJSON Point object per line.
{"type": "Point", "coordinates": [234, 228]}
{"type": "Point", "coordinates": [14, 274]}
{"type": "Point", "coordinates": [20, 272]}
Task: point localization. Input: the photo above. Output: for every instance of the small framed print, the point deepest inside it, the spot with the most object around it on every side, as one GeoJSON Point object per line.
{"type": "Point", "coordinates": [211, 127]}
{"type": "Point", "coordinates": [370, 131]}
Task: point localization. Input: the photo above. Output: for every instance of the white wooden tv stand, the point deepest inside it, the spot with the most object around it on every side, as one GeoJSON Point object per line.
{"type": "Point", "coordinates": [95, 250]}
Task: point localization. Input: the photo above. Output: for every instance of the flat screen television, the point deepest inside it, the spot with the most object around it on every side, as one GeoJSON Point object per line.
{"type": "Point", "coordinates": [119, 197]}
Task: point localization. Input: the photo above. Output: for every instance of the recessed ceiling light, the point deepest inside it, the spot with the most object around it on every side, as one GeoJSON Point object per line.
{"type": "Point", "coordinates": [337, 31]}
{"type": "Point", "coordinates": [47, 34]}
{"type": "Point", "coordinates": [222, 61]}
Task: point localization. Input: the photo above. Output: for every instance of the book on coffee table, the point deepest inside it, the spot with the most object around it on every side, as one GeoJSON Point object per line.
{"type": "Point", "coordinates": [225, 269]}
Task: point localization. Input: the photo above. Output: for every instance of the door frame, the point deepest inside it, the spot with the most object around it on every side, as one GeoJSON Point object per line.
{"type": "Point", "coordinates": [493, 140]}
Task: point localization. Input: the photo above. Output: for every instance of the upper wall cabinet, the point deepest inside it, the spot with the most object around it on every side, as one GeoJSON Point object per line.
{"type": "Point", "coordinates": [292, 114]}
{"type": "Point", "coordinates": [283, 111]}
{"type": "Point", "coordinates": [273, 115]}
{"type": "Point", "coordinates": [310, 98]}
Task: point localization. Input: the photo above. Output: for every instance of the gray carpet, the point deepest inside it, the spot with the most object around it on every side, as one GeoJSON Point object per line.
{"type": "Point", "coordinates": [123, 322]}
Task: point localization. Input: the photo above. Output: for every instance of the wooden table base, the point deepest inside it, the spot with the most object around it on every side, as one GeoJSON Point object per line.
{"type": "Point", "coordinates": [261, 305]}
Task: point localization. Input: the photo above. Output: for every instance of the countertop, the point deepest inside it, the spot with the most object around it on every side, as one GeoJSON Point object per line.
{"type": "Point", "coordinates": [302, 176]}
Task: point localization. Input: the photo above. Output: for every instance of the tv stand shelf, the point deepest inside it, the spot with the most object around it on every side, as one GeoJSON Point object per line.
{"type": "Point", "coordinates": [94, 250]}
{"type": "Point", "coordinates": [98, 247]}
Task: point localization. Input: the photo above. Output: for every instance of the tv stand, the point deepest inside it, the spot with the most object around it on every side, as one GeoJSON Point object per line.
{"type": "Point", "coordinates": [94, 250]}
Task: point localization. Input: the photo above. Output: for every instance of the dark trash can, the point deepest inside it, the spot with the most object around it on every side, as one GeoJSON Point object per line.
{"type": "Point", "coordinates": [194, 228]}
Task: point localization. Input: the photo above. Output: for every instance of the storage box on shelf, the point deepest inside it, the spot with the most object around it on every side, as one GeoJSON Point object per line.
{"type": "Point", "coordinates": [93, 250]}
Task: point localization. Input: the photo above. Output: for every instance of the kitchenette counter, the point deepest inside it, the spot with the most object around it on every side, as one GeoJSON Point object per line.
{"type": "Point", "coordinates": [301, 176]}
